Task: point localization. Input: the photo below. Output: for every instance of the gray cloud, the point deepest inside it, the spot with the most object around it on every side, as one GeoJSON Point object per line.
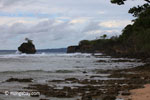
{"type": "Point", "coordinates": [8, 2]}
{"type": "Point", "coordinates": [68, 21]}
{"type": "Point", "coordinates": [91, 27]}
{"type": "Point", "coordinates": [42, 33]}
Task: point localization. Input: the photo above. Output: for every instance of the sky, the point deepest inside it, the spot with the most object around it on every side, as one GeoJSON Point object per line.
{"type": "Point", "coordinates": [60, 23]}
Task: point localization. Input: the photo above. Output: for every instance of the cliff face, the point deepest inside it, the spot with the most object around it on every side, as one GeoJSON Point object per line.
{"type": "Point", "coordinates": [113, 49]}
{"type": "Point", "coordinates": [28, 48]}
{"type": "Point", "coordinates": [73, 49]}
{"type": "Point", "coordinates": [80, 48]}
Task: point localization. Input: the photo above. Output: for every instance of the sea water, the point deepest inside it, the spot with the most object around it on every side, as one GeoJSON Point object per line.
{"type": "Point", "coordinates": [43, 67]}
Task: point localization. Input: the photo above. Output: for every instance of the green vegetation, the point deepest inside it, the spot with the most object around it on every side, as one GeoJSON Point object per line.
{"type": "Point", "coordinates": [104, 36]}
{"type": "Point", "coordinates": [29, 41]}
{"type": "Point", "coordinates": [120, 2]}
{"type": "Point", "coordinates": [135, 38]}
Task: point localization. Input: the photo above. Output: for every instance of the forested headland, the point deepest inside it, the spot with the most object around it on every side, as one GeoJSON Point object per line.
{"type": "Point", "coordinates": [133, 42]}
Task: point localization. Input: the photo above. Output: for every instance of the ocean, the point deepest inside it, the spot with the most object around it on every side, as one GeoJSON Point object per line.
{"type": "Point", "coordinates": [47, 66]}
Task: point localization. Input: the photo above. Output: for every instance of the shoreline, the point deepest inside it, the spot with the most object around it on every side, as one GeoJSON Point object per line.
{"type": "Point", "coordinates": [100, 85]}
{"type": "Point", "coordinates": [138, 94]}
{"type": "Point", "coordinates": [122, 82]}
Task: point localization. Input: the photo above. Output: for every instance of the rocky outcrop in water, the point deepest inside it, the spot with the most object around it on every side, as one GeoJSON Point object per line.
{"type": "Point", "coordinates": [28, 48]}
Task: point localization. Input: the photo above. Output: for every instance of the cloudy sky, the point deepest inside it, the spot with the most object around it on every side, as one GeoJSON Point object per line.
{"type": "Point", "coordinates": [60, 23]}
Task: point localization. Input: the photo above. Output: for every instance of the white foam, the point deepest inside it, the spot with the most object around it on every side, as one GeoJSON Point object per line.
{"type": "Point", "coordinates": [18, 55]}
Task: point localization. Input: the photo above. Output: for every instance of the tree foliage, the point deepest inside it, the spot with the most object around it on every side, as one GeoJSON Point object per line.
{"type": "Point", "coordinates": [84, 42]}
{"type": "Point", "coordinates": [136, 11]}
{"type": "Point", "coordinates": [135, 38]}
{"type": "Point", "coordinates": [28, 40]}
{"type": "Point", "coordinates": [120, 2]}
{"type": "Point", "coordinates": [103, 36]}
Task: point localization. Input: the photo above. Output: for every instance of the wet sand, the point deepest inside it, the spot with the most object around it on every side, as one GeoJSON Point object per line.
{"type": "Point", "coordinates": [139, 94]}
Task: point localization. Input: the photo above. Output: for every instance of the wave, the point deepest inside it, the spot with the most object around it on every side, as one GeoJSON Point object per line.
{"type": "Point", "coordinates": [18, 55]}
{"type": "Point", "coordinates": [27, 71]}
{"type": "Point", "coordinates": [37, 71]}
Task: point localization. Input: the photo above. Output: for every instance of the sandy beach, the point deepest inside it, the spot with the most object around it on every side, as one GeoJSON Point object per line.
{"type": "Point", "coordinates": [138, 94]}
{"type": "Point", "coordinates": [141, 94]}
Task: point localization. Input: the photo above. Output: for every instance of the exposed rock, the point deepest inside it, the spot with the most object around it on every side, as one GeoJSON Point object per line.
{"type": "Point", "coordinates": [57, 81]}
{"type": "Point", "coordinates": [44, 99]}
{"type": "Point", "coordinates": [86, 97]}
{"type": "Point", "coordinates": [109, 98]}
{"type": "Point", "coordinates": [84, 72]}
{"type": "Point", "coordinates": [80, 48]}
{"type": "Point", "coordinates": [125, 93]}
{"type": "Point", "coordinates": [28, 47]}
{"type": "Point", "coordinates": [102, 61]}
{"type": "Point", "coordinates": [72, 49]}
{"type": "Point", "coordinates": [19, 80]}
{"type": "Point", "coordinates": [86, 49]}
{"type": "Point", "coordinates": [71, 79]}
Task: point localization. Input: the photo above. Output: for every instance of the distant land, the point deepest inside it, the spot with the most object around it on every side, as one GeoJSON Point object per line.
{"type": "Point", "coordinates": [55, 50]}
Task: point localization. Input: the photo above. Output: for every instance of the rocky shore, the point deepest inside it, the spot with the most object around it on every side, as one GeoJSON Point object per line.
{"type": "Point", "coordinates": [117, 83]}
